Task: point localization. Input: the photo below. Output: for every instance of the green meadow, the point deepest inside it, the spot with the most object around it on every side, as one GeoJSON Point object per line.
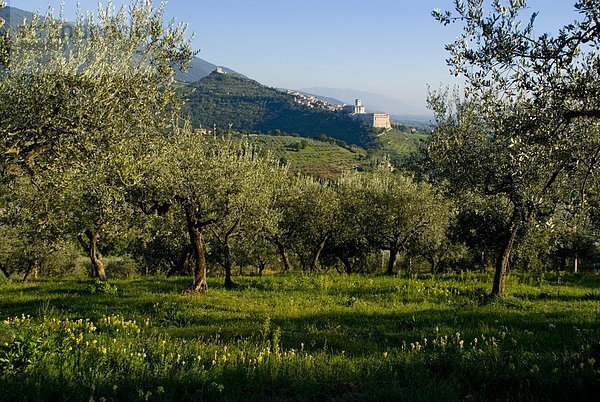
{"type": "Point", "coordinates": [297, 337]}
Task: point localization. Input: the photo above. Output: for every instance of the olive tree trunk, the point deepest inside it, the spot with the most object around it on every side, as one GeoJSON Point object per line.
{"type": "Point", "coordinates": [316, 255]}
{"type": "Point", "coordinates": [284, 255]}
{"type": "Point", "coordinates": [392, 260]}
{"type": "Point", "coordinates": [261, 267]}
{"type": "Point", "coordinates": [31, 273]}
{"type": "Point", "coordinates": [200, 270]}
{"type": "Point", "coordinates": [229, 284]}
{"type": "Point", "coordinates": [182, 267]}
{"type": "Point", "coordinates": [91, 247]}
{"type": "Point", "coordinates": [4, 271]}
{"type": "Point", "coordinates": [200, 284]}
{"type": "Point", "coordinates": [503, 262]}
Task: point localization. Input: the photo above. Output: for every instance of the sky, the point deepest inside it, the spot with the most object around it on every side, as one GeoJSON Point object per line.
{"type": "Point", "coordinates": [388, 47]}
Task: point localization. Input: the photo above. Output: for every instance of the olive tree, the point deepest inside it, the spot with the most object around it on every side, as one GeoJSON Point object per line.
{"type": "Point", "coordinates": [244, 211]}
{"type": "Point", "coordinates": [29, 229]}
{"type": "Point", "coordinates": [76, 101]}
{"type": "Point", "coordinates": [92, 205]}
{"type": "Point", "coordinates": [480, 224]}
{"type": "Point", "coordinates": [311, 216]}
{"type": "Point", "coordinates": [394, 211]}
{"type": "Point", "coordinates": [222, 186]}
{"type": "Point", "coordinates": [434, 244]}
{"type": "Point", "coordinates": [527, 123]}
{"type": "Point", "coordinates": [65, 94]}
{"type": "Point", "coordinates": [255, 249]}
{"type": "Point", "coordinates": [350, 245]}
{"type": "Point", "coordinates": [285, 232]}
{"type": "Point", "coordinates": [160, 244]}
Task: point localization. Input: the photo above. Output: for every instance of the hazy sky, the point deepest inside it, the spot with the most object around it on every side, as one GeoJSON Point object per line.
{"type": "Point", "coordinates": [389, 47]}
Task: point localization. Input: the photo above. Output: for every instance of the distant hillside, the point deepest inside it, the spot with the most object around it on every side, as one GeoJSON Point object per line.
{"type": "Point", "coordinates": [236, 102]}
{"type": "Point", "coordinates": [401, 146]}
{"type": "Point", "coordinates": [14, 16]}
{"type": "Point", "coordinates": [421, 121]}
{"type": "Point", "coordinates": [307, 156]}
{"type": "Point", "coordinates": [373, 102]}
{"type": "Point", "coordinates": [333, 101]}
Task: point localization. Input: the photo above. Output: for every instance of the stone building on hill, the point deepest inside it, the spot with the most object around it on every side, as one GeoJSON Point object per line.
{"type": "Point", "coordinates": [375, 120]}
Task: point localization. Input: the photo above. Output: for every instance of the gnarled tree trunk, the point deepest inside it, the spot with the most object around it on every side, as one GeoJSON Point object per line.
{"type": "Point", "coordinates": [347, 264]}
{"type": "Point", "coordinates": [317, 254]}
{"type": "Point", "coordinates": [503, 262]}
{"type": "Point", "coordinates": [433, 262]}
{"type": "Point", "coordinates": [229, 284]}
{"type": "Point", "coordinates": [200, 284]}
{"type": "Point", "coordinates": [31, 273]}
{"type": "Point", "coordinates": [261, 267]}
{"type": "Point", "coordinates": [4, 271]}
{"type": "Point", "coordinates": [91, 247]}
{"type": "Point", "coordinates": [182, 267]}
{"type": "Point", "coordinates": [392, 260]}
{"type": "Point", "coordinates": [195, 233]}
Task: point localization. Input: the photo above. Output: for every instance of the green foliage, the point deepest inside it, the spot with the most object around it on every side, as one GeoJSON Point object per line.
{"type": "Point", "coordinates": [65, 100]}
{"type": "Point", "coordinates": [102, 287]}
{"type": "Point", "coordinates": [311, 213]}
{"type": "Point", "coordinates": [402, 147]}
{"type": "Point", "coordinates": [315, 158]}
{"type": "Point", "coordinates": [75, 109]}
{"type": "Point", "coordinates": [527, 126]}
{"type": "Point", "coordinates": [222, 187]}
{"type": "Point", "coordinates": [394, 212]}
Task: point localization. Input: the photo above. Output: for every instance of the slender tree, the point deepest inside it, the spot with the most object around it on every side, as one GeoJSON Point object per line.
{"type": "Point", "coordinates": [311, 216]}
{"type": "Point", "coordinates": [395, 212]}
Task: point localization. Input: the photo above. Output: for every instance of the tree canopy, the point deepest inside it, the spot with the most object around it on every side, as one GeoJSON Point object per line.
{"type": "Point", "coordinates": [527, 124]}
{"type": "Point", "coordinates": [67, 95]}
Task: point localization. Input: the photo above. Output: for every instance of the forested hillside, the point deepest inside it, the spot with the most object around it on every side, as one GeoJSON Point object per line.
{"type": "Point", "coordinates": [229, 101]}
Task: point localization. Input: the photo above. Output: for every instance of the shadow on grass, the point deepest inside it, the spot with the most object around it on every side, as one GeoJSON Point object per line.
{"type": "Point", "coordinates": [360, 327]}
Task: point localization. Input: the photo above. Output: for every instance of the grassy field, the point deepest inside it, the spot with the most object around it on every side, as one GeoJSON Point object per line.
{"type": "Point", "coordinates": [317, 158]}
{"type": "Point", "coordinates": [399, 145]}
{"type": "Point", "coordinates": [296, 337]}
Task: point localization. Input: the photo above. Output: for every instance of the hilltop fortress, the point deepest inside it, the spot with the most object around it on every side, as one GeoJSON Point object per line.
{"type": "Point", "coordinates": [375, 120]}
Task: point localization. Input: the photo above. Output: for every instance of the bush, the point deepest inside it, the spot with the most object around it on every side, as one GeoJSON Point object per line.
{"type": "Point", "coordinates": [64, 261]}
{"type": "Point", "coordinates": [121, 267]}
{"type": "Point", "coordinates": [101, 287]}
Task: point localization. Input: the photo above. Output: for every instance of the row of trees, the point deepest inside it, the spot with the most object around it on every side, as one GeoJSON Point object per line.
{"type": "Point", "coordinates": [225, 190]}
{"type": "Point", "coordinates": [93, 151]}
{"type": "Point", "coordinates": [187, 202]}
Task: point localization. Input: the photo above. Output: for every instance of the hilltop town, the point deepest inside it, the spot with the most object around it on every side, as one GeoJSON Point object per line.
{"type": "Point", "coordinates": [356, 111]}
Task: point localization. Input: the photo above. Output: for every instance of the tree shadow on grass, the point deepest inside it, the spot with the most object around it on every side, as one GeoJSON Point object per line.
{"type": "Point", "coordinates": [359, 328]}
